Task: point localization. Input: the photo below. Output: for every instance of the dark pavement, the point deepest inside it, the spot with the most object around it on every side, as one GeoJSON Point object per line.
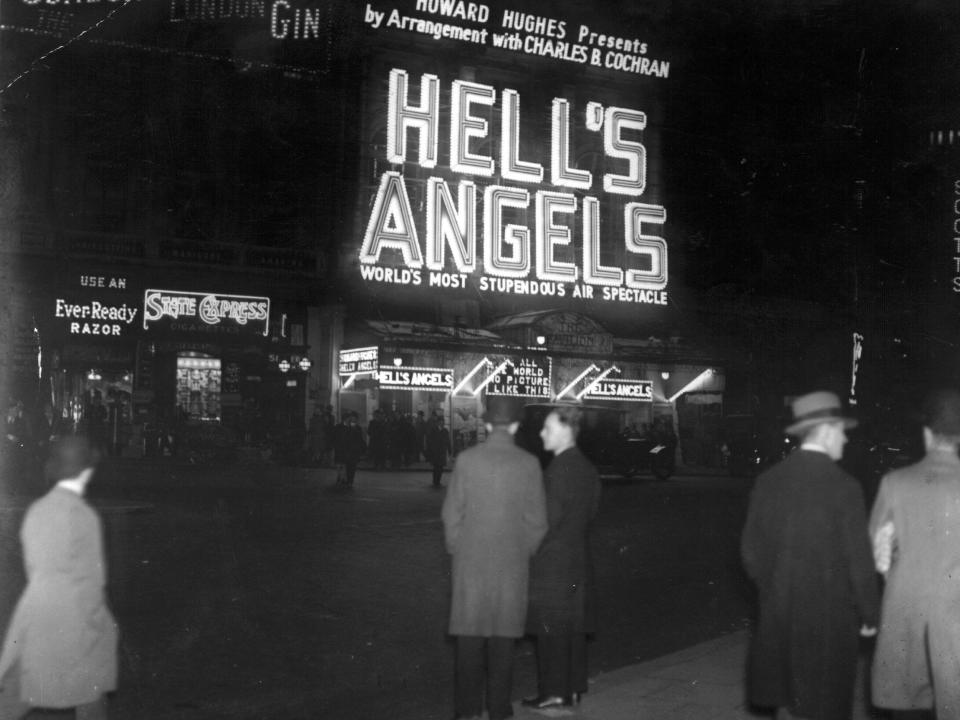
{"type": "Point", "coordinates": [260, 591]}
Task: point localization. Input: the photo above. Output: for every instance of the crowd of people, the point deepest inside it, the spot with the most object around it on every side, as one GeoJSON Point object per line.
{"type": "Point", "coordinates": [392, 440]}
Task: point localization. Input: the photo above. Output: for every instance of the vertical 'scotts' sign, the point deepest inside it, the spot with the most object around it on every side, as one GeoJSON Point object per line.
{"type": "Point", "coordinates": [955, 228]}
{"type": "Point", "coordinates": [470, 229]}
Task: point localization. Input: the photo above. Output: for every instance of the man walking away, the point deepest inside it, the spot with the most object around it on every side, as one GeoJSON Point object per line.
{"type": "Point", "coordinates": [494, 516]}
{"type": "Point", "coordinates": [805, 545]}
{"type": "Point", "coordinates": [60, 650]}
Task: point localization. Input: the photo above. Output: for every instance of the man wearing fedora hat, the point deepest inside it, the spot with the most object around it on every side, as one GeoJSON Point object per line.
{"type": "Point", "coordinates": [60, 650]}
{"type": "Point", "coordinates": [806, 547]}
{"type": "Point", "coordinates": [494, 517]}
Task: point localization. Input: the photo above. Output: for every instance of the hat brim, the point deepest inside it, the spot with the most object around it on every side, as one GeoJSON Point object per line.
{"type": "Point", "coordinates": [803, 425]}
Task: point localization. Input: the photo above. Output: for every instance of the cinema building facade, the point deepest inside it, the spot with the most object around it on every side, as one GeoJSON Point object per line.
{"type": "Point", "coordinates": [512, 238]}
{"type": "Point", "coordinates": [536, 358]}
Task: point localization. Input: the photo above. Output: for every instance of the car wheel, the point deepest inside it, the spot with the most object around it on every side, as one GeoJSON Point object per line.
{"type": "Point", "coordinates": [662, 472]}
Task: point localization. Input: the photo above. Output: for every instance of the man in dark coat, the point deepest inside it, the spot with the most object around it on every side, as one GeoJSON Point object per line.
{"type": "Point", "coordinates": [350, 447]}
{"type": "Point", "coordinates": [377, 435]}
{"type": "Point", "coordinates": [420, 428]}
{"type": "Point", "coordinates": [805, 545]}
{"type": "Point", "coordinates": [561, 577]}
{"type": "Point", "coordinates": [494, 517]}
{"type": "Point", "coordinates": [437, 448]}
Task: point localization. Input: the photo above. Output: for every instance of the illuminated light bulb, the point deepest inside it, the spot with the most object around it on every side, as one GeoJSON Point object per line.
{"type": "Point", "coordinates": [451, 225]}
{"type": "Point", "coordinates": [635, 181]}
{"type": "Point", "coordinates": [517, 237]}
{"type": "Point", "coordinates": [424, 118]}
{"type": "Point", "coordinates": [511, 167]}
{"type": "Point", "coordinates": [550, 235]}
{"type": "Point", "coordinates": [465, 127]}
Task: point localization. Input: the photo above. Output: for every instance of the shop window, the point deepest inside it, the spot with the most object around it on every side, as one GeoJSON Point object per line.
{"type": "Point", "coordinates": [199, 380]}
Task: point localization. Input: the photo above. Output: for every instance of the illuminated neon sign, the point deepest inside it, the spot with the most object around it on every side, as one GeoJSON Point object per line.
{"type": "Point", "coordinates": [414, 378]}
{"type": "Point", "coordinates": [92, 317]}
{"type": "Point", "coordinates": [529, 377]}
{"type": "Point", "coordinates": [210, 308]}
{"type": "Point", "coordinates": [621, 390]}
{"type": "Point", "coordinates": [543, 260]}
{"type": "Point", "coordinates": [359, 360]}
{"type": "Point", "coordinates": [857, 353]}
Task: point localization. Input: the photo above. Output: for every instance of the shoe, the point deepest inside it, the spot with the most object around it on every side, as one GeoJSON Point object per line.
{"type": "Point", "coordinates": [543, 702]}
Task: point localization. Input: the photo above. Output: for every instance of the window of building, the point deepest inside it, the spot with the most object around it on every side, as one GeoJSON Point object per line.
{"type": "Point", "coordinates": [198, 387]}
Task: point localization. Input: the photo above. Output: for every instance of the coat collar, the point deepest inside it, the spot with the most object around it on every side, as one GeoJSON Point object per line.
{"type": "Point", "coordinates": [943, 455]}
{"type": "Point", "coordinates": [501, 437]}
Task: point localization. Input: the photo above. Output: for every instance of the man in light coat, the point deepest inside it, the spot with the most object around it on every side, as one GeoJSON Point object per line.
{"type": "Point", "coordinates": [805, 546]}
{"type": "Point", "coordinates": [60, 650]}
{"type": "Point", "coordinates": [914, 526]}
{"type": "Point", "coordinates": [494, 517]}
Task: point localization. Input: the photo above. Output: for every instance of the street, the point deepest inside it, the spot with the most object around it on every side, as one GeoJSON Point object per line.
{"type": "Point", "coordinates": [260, 591]}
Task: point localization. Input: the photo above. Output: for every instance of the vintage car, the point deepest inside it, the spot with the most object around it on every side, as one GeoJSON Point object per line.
{"type": "Point", "coordinates": [603, 440]}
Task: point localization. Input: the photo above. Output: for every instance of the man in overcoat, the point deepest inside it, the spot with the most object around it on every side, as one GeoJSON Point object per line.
{"type": "Point", "coordinates": [350, 447]}
{"type": "Point", "coordinates": [437, 448]}
{"type": "Point", "coordinates": [917, 546]}
{"type": "Point", "coordinates": [494, 517]}
{"type": "Point", "coordinates": [562, 607]}
{"type": "Point", "coordinates": [60, 650]}
{"type": "Point", "coordinates": [805, 545]}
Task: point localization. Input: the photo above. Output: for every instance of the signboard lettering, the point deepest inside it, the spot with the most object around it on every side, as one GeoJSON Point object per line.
{"type": "Point", "coordinates": [414, 378]}
{"type": "Point", "coordinates": [622, 390]}
{"type": "Point", "coordinates": [209, 308]}
{"type": "Point", "coordinates": [515, 258]}
{"type": "Point", "coordinates": [529, 377]}
{"type": "Point", "coordinates": [359, 360]}
{"type": "Point", "coordinates": [520, 32]}
{"type": "Point", "coordinates": [102, 281]}
{"type": "Point", "coordinates": [92, 317]}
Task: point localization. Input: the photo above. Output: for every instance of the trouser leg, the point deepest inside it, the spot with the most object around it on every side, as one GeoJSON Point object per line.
{"type": "Point", "coordinates": [11, 706]}
{"type": "Point", "coordinates": [553, 664]}
{"type": "Point", "coordinates": [351, 472]}
{"type": "Point", "coordinates": [468, 684]}
{"type": "Point", "coordinates": [437, 474]}
{"type": "Point", "coordinates": [578, 663]}
{"type": "Point", "coordinates": [500, 655]}
{"type": "Point", "coordinates": [96, 710]}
